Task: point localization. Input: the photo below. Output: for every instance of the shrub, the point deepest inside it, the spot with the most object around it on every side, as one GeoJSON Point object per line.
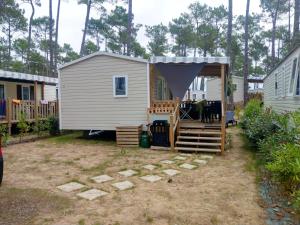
{"type": "Point", "coordinates": [285, 166]}
{"type": "Point", "coordinates": [53, 126]}
{"type": "Point", "coordinates": [40, 126]}
{"type": "Point", "coordinates": [4, 134]}
{"type": "Point", "coordinates": [252, 110]}
{"type": "Point", "coordinates": [23, 125]}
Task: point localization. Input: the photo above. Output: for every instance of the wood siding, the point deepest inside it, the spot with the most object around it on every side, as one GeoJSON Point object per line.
{"type": "Point", "coordinates": [282, 101]}
{"type": "Point", "coordinates": [86, 93]}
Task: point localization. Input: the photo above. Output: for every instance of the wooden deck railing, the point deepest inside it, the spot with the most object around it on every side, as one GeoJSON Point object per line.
{"type": "Point", "coordinates": [174, 121]}
{"type": "Point", "coordinates": [11, 110]}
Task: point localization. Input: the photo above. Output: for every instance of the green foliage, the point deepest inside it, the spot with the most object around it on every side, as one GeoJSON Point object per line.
{"type": "Point", "coordinates": [158, 44]}
{"type": "Point", "coordinates": [4, 134]}
{"type": "Point", "coordinates": [53, 125]}
{"type": "Point", "coordinates": [285, 166]}
{"type": "Point", "coordinates": [40, 126]}
{"type": "Point", "coordinates": [22, 125]}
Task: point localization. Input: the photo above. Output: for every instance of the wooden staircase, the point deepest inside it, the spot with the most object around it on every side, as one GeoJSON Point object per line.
{"type": "Point", "coordinates": [194, 136]}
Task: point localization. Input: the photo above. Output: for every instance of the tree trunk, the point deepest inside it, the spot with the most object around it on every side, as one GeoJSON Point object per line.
{"type": "Point", "coordinates": [129, 27]}
{"type": "Point", "coordinates": [88, 9]}
{"type": "Point", "coordinates": [50, 37]}
{"type": "Point", "coordinates": [296, 21]}
{"type": "Point", "coordinates": [246, 52]}
{"type": "Point", "coordinates": [29, 33]}
{"type": "Point", "coordinates": [289, 29]}
{"type": "Point", "coordinates": [228, 49]}
{"type": "Point", "coordinates": [56, 35]}
{"type": "Point", "coordinates": [274, 21]}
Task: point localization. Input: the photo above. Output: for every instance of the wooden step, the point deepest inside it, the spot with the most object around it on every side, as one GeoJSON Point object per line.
{"type": "Point", "coordinates": [187, 126]}
{"type": "Point", "coordinates": [197, 143]}
{"type": "Point", "coordinates": [197, 149]}
{"type": "Point", "coordinates": [199, 138]}
{"type": "Point", "coordinates": [198, 132]}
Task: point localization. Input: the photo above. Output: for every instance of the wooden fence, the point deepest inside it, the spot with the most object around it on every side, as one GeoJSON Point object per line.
{"type": "Point", "coordinates": [11, 110]}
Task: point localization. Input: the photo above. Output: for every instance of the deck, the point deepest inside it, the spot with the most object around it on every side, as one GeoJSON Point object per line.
{"type": "Point", "coordinates": [12, 110]}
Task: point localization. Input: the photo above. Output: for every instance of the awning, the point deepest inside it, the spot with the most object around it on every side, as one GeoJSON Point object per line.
{"type": "Point", "coordinates": [179, 76]}
{"type": "Point", "coordinates": [27, 77]}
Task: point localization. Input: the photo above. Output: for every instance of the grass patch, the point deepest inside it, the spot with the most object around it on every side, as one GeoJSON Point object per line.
{"type": "Point", "coordinates": [22, 206]}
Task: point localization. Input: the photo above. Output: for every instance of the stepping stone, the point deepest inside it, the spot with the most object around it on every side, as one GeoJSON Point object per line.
{"type": "Point", "coordinates": [92, 194]}
{"type": "Point", "coordinates": [200, 161]}
{"type": "Point", "coordinates": [69, 187]}
{"type": "Point", "coordinates": [102, 178]}
{"type": "Point", "coordinates": [149, 167]}
{"type": "Point", "coordinates": [127, 173]}
{"type": "Point", "coordinates": [167, 161]}
{"type": "Point", "coordinates": [151, 178]}
{"type": "Point", "coordinates": [180, 157]}
{"type": "Point", "coordinates": [171, 172]}
{"type": "Point", "coordinates": [187, 166]}
{"type": "Point", "coordinates": [206, 157]}
{"type": "Point", "coordinates": [124, 185]}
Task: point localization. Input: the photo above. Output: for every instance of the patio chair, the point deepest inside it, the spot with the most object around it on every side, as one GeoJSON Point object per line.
{"type": "Point", "coordinates": [230, 118]}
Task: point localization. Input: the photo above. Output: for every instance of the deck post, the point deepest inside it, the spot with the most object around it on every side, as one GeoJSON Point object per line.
{"type": "Point", "coordinates": [223, 129]}
{"type": "Point", "coordinates": [9, 114]}
{"type": "Point", "coordinates": [43, 91]}
{"type": "Point", "coordinates": [171, 132]}
{"type": "Point", "coordinates": [35, 103]}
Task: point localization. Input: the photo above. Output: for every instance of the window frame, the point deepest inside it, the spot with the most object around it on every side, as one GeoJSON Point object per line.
{"type": "Point", "coordinates": [126, 86]}
{"type": "Point", "coordinates": [29, 86]}
{"type": "Point", "coordinates": [291, 91]}
{"type": "Point", "coordinates": [297, 78]}
{"type": "Point", "coordinates": [4, 90]}
{"type": "Point", "coordinates": [276, 85]}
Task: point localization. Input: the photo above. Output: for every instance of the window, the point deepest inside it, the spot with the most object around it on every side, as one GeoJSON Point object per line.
{"type": "Point", "coordinates": [25, 92]}
{"type": "Point", "coordinates": [2, 91]}
{"type": "Point", "coordinates": [120, 86]}
{"type": "Point", "coordinates": [203, 96]}
{"type": "Point", "coordinates": [234, 87]}
{"type": "Point", "coordinates": [276, 84]}
{"type": "Point", "coordinates": [298, 85]}
{"type": "Point", "coordinates": [194, 96]}
{"type": "Point", "coordinates": [292, 81]}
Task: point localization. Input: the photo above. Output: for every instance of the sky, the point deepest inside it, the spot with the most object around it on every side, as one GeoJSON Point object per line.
{"type": "Point", "coordinates": [146, 12]}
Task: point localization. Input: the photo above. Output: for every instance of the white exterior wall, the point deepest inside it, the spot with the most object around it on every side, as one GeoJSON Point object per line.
{"type": "Point", "coordinates": [214, 89]}
{"type": "Point", "coordinates": [50, 92]}
{"type": "Point", "coordinates": [86, 93]}
{"type": "Point", "coordinates": [284, 101]}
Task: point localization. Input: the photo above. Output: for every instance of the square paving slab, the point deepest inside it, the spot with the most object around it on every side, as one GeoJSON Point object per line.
{"type": "Point", "coordinates": [180, 157]}
{"type": "Point", "coordinates": [151, 178]}
{"type": "Point", "coordinates": [187, 166]}
{"type": "Point", "coordinates": [149, 167]}
{"type": "Point", "coordinates": [206, 157]}
{"type": "Point", "coordinates": [102, 178]}
{"type": "Point", "coordinates": [127, 173]}
{"type": "Point", "coordinates": [171, 172]}
{"type": "Point", "coordinates": [200, 161]}
{"type": "Point", "coordinates": [69, 187]}
{"type": "Point", "coordinates": [167, 161]}
{"type": "Point", "coordinates": [92, 194]}
{"type": "Point", "coordinates": [124, 185]}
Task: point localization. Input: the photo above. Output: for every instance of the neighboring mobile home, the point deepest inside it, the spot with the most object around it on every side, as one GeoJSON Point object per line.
{"type": "Point", "coordinates": [33, 95]}
{"type": "Point", "coordinates": [105, 91]}
{"type": "Point", "coordinates": [282, 85]}
{"type": "Point", "coordinates": [214, 93]}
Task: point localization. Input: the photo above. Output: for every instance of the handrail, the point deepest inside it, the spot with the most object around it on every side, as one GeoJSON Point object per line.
{"type": "Point", "coordinates": [174, 120]}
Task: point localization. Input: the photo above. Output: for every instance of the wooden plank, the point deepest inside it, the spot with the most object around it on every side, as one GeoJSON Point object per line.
{"type": "Point", "coordinates": [198, 143]}
{"type": "Point", "coordinates": [160, 148]}
{"type": "Point", "coordinates": [223, 101]}
{"type": "Point", "coordinates": [199, 138]}
{"type": "Point", "coordinates": [197, 149]}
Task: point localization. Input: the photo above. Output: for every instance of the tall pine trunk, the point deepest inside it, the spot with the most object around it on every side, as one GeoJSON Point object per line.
{"type": "Point", "coordinates": [229, 46]}
{"type": "Point", "coordinates": [129, 27]}
{"type": "Point", "coordinates": [246, 53]}
{"type": "Point", "coordinates": [296, 22]}
{"type": "Point", "coordinates": [274, 21]}
{"type": "Point", "coordinates": [29, 33]}
{"type": "Point", "coordinates": [50, 37]}
{"type": "Point", "coordinates": [88, 9]}
{"type": "Point", "coordinates": [56, 35]}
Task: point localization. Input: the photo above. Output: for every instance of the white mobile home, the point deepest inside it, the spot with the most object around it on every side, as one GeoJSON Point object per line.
{"type": "Point", "coordinates": [282, 85]}
{"type": "Point", "coordinates": [105, 91]}
{"type": "Point", "coordinates": [213, 89]}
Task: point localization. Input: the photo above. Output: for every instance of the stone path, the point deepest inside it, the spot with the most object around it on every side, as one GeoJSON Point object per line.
{"type": "Point", "coordinates": [187, 163]}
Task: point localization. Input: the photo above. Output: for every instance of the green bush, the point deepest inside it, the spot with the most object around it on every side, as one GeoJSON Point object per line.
{"type": "Point", "coordinates": [22, 125]}
{"type": "Point", "coordinates": [40, 126]}
{"type": "Point", "coordinates": [251, 111]}
{"type": "Point", "coordinates": [285, 166]}
{"type": "Point", "coordinates": [53, 126]}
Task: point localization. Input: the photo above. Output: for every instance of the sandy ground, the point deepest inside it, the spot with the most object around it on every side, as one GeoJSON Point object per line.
{"type": "Point", "coordinates": [222, 192]}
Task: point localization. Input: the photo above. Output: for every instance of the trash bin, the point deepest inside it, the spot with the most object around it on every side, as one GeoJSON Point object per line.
{"type": "Point", "coordinates": [160, 133]}
{"type": "Point", "coordinates": [145, 142]}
